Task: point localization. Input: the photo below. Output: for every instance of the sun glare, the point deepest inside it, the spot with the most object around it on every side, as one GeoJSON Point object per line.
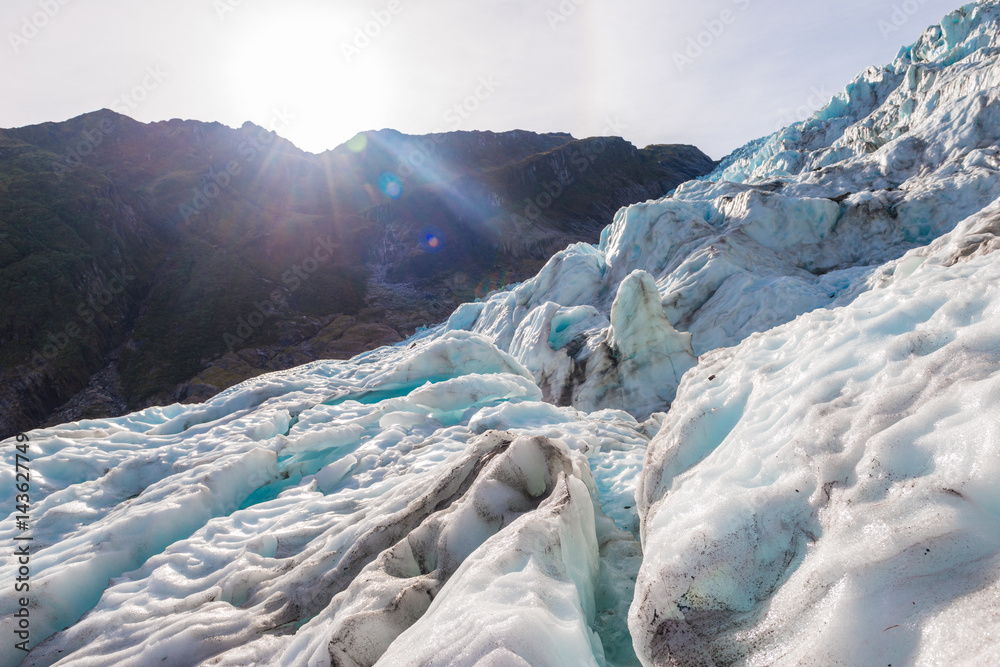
{"type": "Point", "coordinates": [298, 66]}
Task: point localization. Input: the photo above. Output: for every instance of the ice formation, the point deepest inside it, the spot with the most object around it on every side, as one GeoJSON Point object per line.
{"type": "Point", "coordinates": [752, 426]}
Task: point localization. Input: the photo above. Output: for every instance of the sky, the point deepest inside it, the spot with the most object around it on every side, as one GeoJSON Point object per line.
{"type": "Point", "coordinates": [714, 73]}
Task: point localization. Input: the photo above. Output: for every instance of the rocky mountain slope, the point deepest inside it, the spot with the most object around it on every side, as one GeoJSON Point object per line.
{"type": "Point", "coordinates": [145, 264]}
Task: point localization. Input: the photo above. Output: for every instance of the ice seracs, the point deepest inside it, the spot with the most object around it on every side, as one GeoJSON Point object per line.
{"type": "Point", "coordinates": [647, 347]}
{"type": "Point", "coordinates": [793, 223]}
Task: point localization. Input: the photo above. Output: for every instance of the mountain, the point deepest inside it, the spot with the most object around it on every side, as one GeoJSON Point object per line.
{"type": "Point", "coordinates": [754, 425]}
{"type": "Point", "coordinates": [147, 264]}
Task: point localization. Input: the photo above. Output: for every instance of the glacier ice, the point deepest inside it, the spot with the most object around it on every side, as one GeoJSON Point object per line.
{"type": "Point", "coordinates": [795, 222]}
{"type": "Point", "coordinates": [833, 478]}
{"type": "Point", "coordinates": [324, 504]}
{"type": "Point", "coordinates": [753, 425]}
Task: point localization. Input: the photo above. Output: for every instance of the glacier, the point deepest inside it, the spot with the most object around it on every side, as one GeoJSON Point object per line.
{"type": "Point", "coordinates": [752, 426]}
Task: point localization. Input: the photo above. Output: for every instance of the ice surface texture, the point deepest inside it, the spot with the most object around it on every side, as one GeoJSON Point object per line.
{"type": "Point", "coordinates": [312, 517]}
{"type": "Point", "coordinates": [835, 478]}
{"type": "Point", "coordinates": [782, 379]}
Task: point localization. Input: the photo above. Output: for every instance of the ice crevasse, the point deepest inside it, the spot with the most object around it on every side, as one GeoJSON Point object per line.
{"type": "Point", "coordinates": [753, 426]}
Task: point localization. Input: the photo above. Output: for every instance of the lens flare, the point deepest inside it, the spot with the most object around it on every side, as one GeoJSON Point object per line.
{"type": "Point", "coordinates": [390, 185]}
{"type": "Point", "coordinates": [431, 239]}
{"type": "Point", "coordinates": [494, 282]}
{"type": "Point", "coordinates": [358, 143]}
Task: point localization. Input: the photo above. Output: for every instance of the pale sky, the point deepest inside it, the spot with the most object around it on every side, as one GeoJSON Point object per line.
{"type": "Point", "coordinates": [588, 67]}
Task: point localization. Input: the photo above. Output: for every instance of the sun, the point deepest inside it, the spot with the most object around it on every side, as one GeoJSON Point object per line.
{"type": "Point", "coordinates": [297, 65]}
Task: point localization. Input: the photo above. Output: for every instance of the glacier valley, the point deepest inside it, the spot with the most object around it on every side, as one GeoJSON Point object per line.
{"type": "Point", "coordinates": [753, 426]}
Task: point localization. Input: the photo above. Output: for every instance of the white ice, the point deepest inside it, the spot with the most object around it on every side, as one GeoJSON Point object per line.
{"type": "Point", "coordinates": [828, 492]}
